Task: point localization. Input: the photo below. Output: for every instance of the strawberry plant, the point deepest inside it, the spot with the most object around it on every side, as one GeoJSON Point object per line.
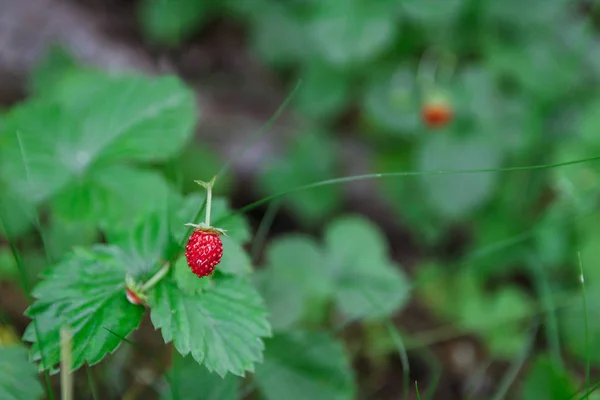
{"type": "Point", "coordinates": [425, 211]}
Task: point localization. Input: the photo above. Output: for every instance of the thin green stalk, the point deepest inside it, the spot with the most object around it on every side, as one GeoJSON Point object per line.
{"type": "Point", "coordinates": [260, 131]}
{"type": "Point", "coordinates": [354, 178]}
{"type": "Point", "coordinates": [585, 319]}
{"type": "Point", "coordinates": [66, 363]}
{"type": "Point", "coordinates": [208, 203]}
{"type": "Point", "coordinates": [551, 324]}
{"type": "Point", "coordinates": [156, 278]}
{"type": "Point", "coordinates": [514, 369]}
{"type": "Point", "coordinates": [263, 229]}
{"type": "Point", "coordinates": [399, 343]}
{"type": "Point", "coordinates": [91, 383]}
{"type": "Point", "coordinates": [417, 391]}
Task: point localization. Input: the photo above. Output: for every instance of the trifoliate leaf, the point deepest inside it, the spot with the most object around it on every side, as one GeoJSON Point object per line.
{"type": "Point", "coordinates": [171, 21]}
{"type": "Point", "coordinates": [18, 376]}
{"type": "Point", "coordinates": [458, 194]}
{"type": "Point", "coordinates": [86, 292]}
{"type": "Point", "coordinates": [547, 381]}
{"type": "Point", "coordinates": [221, 327]}
{"type": "Point", "coordinates": [113, 197]}
{"type": "Point", "coordinates": [93, 119]}
{"type": "Point", "coordinates": [310, 159]}
{"type": "Point", "coordinates": [351, 32]}
{"type": "Point", "coordinates": [366, 283]}
{"type": "Point", "coordinates": [291, 277]}
{"type": "Point", "coordinates": [191, 381]}
{"type": "Point", "coordinates": [304, 365]}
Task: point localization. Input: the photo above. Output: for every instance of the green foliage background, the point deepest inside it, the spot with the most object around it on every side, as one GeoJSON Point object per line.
{"type": "Point", "coordinates": [96, 183]}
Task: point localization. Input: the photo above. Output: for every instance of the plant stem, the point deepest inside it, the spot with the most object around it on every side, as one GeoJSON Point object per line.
{"type": "Point", "coordinates": [208, 201]}
{"type": "Point", "coordinates": [156, 278]}
{"type": "Point", "coordinates": [66, 353]}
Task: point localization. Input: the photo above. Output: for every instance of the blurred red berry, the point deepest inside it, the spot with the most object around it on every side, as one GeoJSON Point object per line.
{"type": "Point", "coordinates": [436, 115]}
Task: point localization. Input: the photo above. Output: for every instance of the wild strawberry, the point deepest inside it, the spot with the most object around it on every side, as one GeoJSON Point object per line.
{"type": "Point", "coordinates": [204, 248]}
{"type": "Point", "coordinates": [204, 251]}
{"type": "Point", "coordinates": [437, 112]}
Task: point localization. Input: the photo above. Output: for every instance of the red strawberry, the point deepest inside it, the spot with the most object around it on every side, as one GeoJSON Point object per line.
{"type": "Point", "coordinates": [437, 111]}
{"type": "Point", "coordinates": [204, 251]}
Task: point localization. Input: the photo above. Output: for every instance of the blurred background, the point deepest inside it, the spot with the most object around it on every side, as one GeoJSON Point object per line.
{"type": "Point", "coordinates": [495, 257]}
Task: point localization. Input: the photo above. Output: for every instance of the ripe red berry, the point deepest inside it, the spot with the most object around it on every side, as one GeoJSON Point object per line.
{"type": "Point", "coordinates": [204, 251]}
{"type": "Point", "coordinates": [436, 115]}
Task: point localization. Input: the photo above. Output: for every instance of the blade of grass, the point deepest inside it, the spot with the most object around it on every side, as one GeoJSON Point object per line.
{"type": "Point", "coordinates": [589, 391]}
{"type": "Point", "coordinates": [515, 368]}
{"type": "Point", "coordinates": [386, 175]}
{"type": "Point", "coordinates": [91, 383]}
{"type": "Point", "coordinates": [399, 343]}
{"type": "Point", "coordinates": [263, 230]}
{"type": "Point", "coordinates": [254, 137]}
{"type": "Point", "coordinates": [585, 319]}
{"type": "Point", "coordinates": [26, 287]}
{"type": "Point", "coordinates": [417, 391]}
{"type": "Point", "coordinates": [551, 324]}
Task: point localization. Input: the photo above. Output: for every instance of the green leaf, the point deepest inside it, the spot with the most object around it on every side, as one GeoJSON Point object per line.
{"type": "Point", "coordinates": [113, 197]}
{"type": "Point", "coordinates": [172, 21]}
{"type": "Point", "coordinates": [17, 215]}
{"type": "Point", "coordinates": [183, 169]}
{"type": "Point", "coordinates": [8, 266]}
{"type": "Point", "coordinates": [324, 92]}
{"type": "Point", "coordinates": [34, 161]}
{"type": "Point", "coordinates": [187, 281]}
{"type": "Point", "coordinates": [433, 13]}
{"type": "Point", "coordinates": [86, 292]}
{"type": "Point", "coordinates": [293, 274]}
{"type": "Point", "coordinates": [572, 321]}
{"type": "Point", "coordinates": [366, 283]}
{"type": "Point", "coordinates": [190, 381]}
{"type": "Point", "coordinates": [279, 36]}
{"type": "Point", "coordinates": [93, 120]}
{"type": "Point", "coordinates": [235, 260]}
{"type": "Point", "coordinates": [61, 236]}
{"type": "Point", "coordinates": [145, 242]}
{"type": "Point", "coordinates": [454, 196]}
{"type": "Point", "coordinates": [18, 376]}
{"type": "Point", "coordinates": [56, 63]}
{"type": "Point", "coordinates": [311, 158]}
{"type": "Point", "coordinates": [347, 32]}
{"type": "Point", "coordinates": [304, 365]}
{"type": "Point", "coordinates": [547, 381]}
{"type": "Point", "coordinates": [221, 327]}
{"type": "Point", "coordinates": [391, 103]}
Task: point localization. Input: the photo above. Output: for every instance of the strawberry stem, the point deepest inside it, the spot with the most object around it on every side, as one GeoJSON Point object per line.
{"type": "Point", "coordinates": [156, 278]}
{"type": "Point", "coordinates": [208, 186]}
